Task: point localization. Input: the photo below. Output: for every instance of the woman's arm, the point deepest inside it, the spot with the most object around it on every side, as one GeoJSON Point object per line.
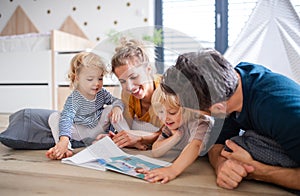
{"type": "Point", "coordinates": [134, 138]}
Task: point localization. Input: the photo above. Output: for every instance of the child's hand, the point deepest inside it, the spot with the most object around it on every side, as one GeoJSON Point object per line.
{"type": "Point", "coordinates": [60, 150]}
{"type": "Point", "coordinates": [99, 137]}
{"type": "Point", "coordinates": [162, 175]}
{"type": "Point", "coordinates": [116, 115]}
{"type": "Point", "coordinates": [177, 133]}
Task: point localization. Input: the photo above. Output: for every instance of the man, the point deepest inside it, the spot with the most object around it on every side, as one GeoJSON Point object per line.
{"type": "Point", "coordinates": [250, 97]}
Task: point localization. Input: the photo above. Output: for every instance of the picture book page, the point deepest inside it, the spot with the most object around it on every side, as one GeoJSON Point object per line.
{"type": "Point", "coordinates": [102, 149]}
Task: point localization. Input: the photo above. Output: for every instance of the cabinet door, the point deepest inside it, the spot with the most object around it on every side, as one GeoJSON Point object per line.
{"type": "Point", "coordinates": [14, 98]}
{"type": "Point", "coordinates": [25, 67]}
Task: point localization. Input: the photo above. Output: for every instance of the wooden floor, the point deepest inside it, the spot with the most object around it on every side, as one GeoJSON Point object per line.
{"type": "Point", "coordinates": [31, 173]}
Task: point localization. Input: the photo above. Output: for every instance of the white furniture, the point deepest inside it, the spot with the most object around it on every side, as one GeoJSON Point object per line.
{"type": "Point", "coordinates": [33, 68]}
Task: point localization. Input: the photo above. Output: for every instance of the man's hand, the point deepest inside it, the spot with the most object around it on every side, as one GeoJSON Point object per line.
{"type": "Point", "coordinates": [230, 173]}
{"type": "Point", "coordinates": [238, 153]}
{"type": "Point", "coordinates": [232, 170]}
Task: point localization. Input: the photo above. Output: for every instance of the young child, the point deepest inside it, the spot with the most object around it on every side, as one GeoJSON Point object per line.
{"type": "Point", "coordinates": [84, 115]}
{"type": "Point", "coordinates": [183, 130]}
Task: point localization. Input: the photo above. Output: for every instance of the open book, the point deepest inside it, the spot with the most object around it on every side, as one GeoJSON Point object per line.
{"type": "Point", "coordinates": [106, 155]}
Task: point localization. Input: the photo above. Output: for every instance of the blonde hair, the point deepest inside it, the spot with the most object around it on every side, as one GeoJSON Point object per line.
{"type": "Point", "coordinates": [160, 97]}
{"type": "Point", "coordinates": [129, 51]}
{"type": "Point", "coordinates": [84, 59]}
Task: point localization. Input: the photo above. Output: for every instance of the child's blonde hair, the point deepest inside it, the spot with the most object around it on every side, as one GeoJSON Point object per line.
{"type": "Point", "coordinates": [84, 59]}
{"type": "Point", "coordinates": [129, 51]}
{"type": "Point", "coordinates": [160, 98]}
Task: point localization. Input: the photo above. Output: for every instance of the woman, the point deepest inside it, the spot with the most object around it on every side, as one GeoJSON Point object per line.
{"type": "Point", "coordinates": [132, 67]}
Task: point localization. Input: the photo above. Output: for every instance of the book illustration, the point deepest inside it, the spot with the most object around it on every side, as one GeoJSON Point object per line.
{"type": "Point", "coordinates": [129, 164]}
{"type": "Point", "coordinates": [106, 155]}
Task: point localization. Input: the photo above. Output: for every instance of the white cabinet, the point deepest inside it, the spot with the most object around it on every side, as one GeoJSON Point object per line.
{"type": "Point", "coordinates": [31, 69]}
{"type": "Point", "coordinates": [25, 81]}
{"type": "Point", "coordinates": [16, 97]}
{"type": "Point", "coordinates": [61, 82]}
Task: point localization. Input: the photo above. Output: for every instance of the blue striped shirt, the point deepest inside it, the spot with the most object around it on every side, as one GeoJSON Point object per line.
{"type": "Point", "coordinates": [81, 111]}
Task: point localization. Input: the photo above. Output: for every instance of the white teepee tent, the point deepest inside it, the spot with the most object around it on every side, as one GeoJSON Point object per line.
{"type": "Point", "coordinates": [271, 37]}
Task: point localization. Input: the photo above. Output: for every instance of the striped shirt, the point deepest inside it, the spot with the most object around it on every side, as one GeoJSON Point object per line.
{"type": "Point", "coordinates": [81, 111]}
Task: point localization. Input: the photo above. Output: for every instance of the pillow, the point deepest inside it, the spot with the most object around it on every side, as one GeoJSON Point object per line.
{"type": "Point", "coordinates": [28, 129]}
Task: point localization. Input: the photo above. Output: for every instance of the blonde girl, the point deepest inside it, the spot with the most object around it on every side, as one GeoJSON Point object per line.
{"type": "Point", "coordinates": [88, 110]}
{"type": "Point", "coordinates": [183, 130]}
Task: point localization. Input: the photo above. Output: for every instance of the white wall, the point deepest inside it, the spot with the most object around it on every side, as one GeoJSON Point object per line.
{"type": "Point", "coordinates": [128, 14]}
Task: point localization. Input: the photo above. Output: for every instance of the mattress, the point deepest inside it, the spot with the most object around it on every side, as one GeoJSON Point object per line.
{"type": "Point", "coordinates": [25, 43]}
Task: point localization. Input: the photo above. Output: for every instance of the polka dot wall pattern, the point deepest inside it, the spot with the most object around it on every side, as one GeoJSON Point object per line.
{"type": "Point", "coordinates": [95, 18]}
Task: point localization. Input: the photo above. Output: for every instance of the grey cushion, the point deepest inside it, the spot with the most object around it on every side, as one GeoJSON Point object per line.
{"type": "Point", "coordinates": [28, 129]}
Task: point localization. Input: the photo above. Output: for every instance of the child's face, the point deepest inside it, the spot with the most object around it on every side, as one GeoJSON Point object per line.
{"type": "Point", "coordinates": [172, 117]}
{"type": "Point", "coordinates": [136, 80]}
{"type": "Point", "coordinates": [90, 81]}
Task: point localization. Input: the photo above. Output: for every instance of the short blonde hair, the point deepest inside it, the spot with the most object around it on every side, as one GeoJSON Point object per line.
{"type": "Point", "coordinates": [84, 59]}
{"type": "Point", "coordinates": [160, 97]}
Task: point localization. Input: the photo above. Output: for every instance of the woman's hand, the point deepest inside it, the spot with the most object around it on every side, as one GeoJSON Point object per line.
{"type": "Point", "coordinates": [124, 138]}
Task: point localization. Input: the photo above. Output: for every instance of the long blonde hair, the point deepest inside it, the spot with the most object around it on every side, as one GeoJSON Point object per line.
{"type": "Point", "coordinates": [129, 51]}
{"type": "Point", "coordinates": [84, 59]}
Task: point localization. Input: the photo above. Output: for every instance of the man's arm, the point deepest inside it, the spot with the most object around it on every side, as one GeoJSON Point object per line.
{"type": "Point", "coordinates": [286, 177]}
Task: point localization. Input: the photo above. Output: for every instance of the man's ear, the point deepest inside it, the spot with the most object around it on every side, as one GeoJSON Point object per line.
{"type": "Point", "coordinates": [218, 109]}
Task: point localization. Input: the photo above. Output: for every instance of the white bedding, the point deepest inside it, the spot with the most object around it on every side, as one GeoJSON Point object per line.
{"type": "Point", "coordinates": [25, 43]}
